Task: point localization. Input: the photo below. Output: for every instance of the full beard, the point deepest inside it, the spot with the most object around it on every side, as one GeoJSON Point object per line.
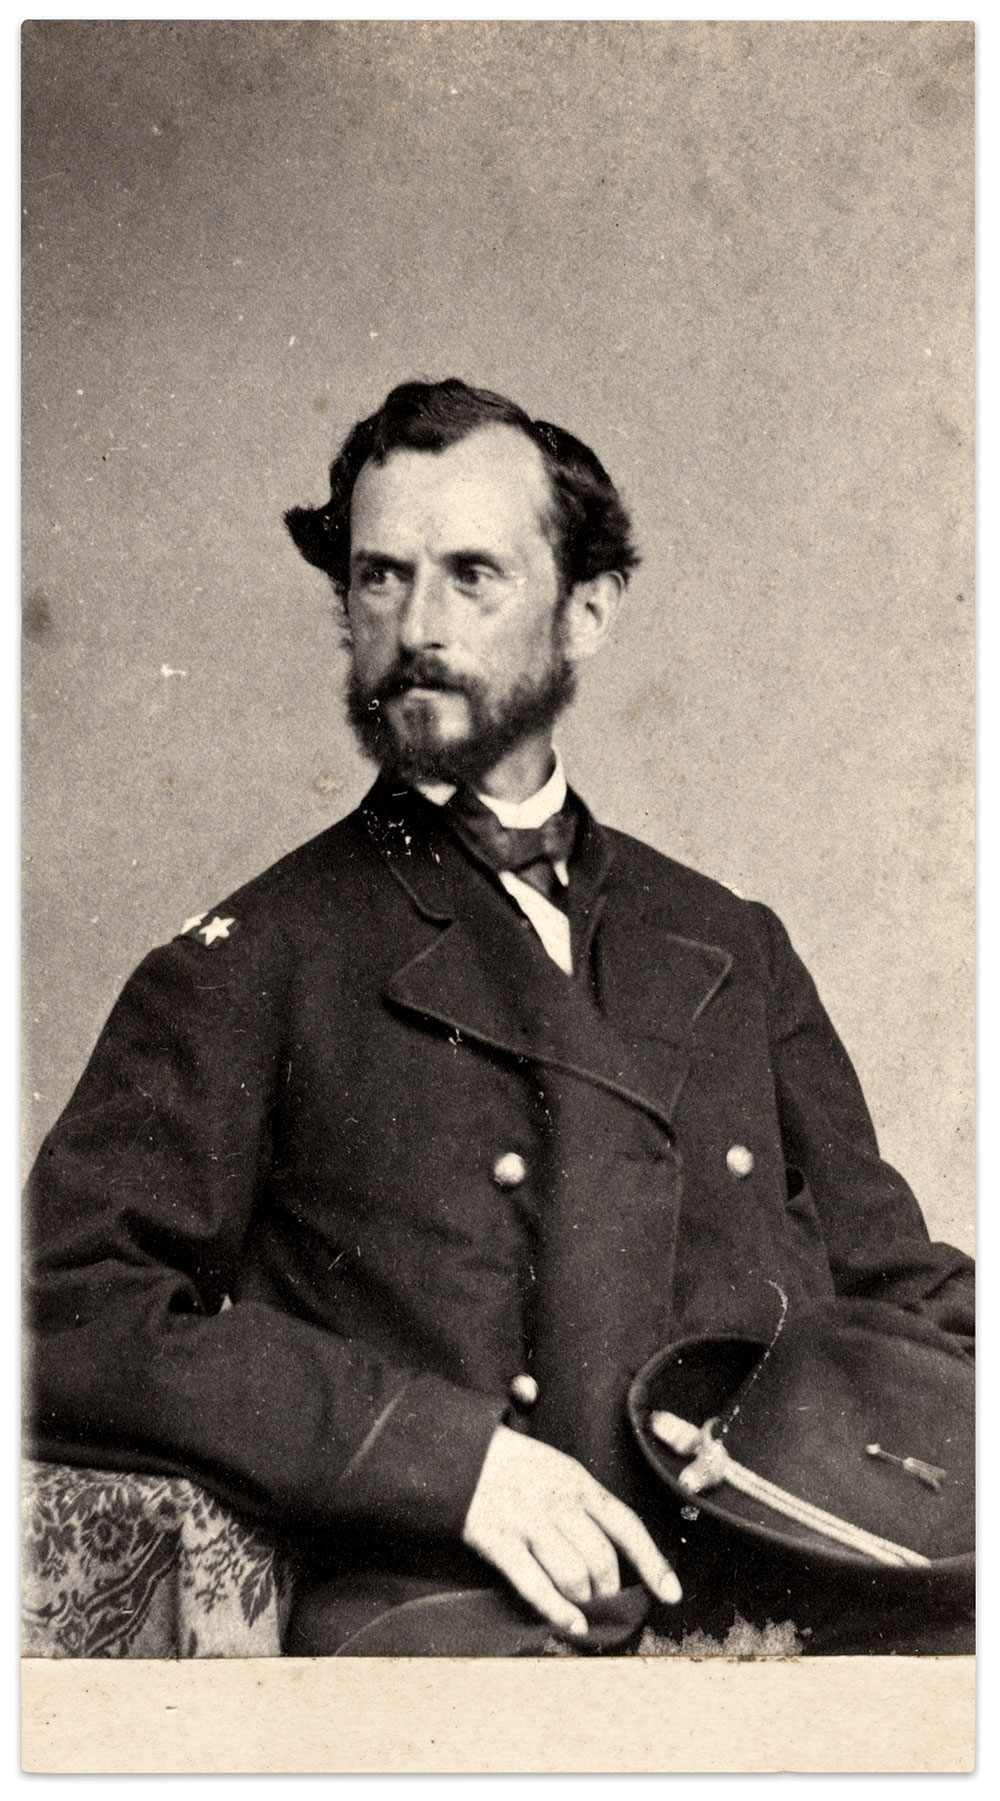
{"type": "Point", "coordinates": [496, 727]}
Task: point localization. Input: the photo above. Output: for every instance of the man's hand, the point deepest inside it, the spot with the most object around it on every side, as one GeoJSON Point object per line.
{"type": "Point", "coordinates": [552, 1530]}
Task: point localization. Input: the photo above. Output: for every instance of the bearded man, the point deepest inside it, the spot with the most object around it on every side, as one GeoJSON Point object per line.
{"type": "Point", "coordinates": [391, 1170]}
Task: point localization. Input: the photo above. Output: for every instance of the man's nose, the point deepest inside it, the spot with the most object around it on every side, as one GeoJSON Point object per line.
{"type": "Point", "coordinates": [423, 618]}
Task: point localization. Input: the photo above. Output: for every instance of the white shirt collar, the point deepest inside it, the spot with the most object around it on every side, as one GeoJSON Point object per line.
{"type": "Point", "coordinates": [523, 814]}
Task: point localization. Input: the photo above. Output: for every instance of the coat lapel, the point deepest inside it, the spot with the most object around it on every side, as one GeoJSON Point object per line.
{"type": "Point", "coordinates": [483, 978]}
{"type": "Point", "coordinates": [653, 982]}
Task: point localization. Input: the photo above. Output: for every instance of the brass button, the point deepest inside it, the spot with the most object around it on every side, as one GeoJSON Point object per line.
{"type": "Point", "coordinates": [739, 1161]}
{"type": "Point", "coordinates": [509, 1170]}
{"type": "Point", "coordinates": [524, 1391]}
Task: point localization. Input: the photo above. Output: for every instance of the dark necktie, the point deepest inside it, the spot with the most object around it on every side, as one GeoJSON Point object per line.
{"type": "Point", "coordinates": [527, 852]}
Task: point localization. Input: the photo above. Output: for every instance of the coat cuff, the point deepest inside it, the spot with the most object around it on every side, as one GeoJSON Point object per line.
{"type": "Point", "coordinates": [417, 1470]}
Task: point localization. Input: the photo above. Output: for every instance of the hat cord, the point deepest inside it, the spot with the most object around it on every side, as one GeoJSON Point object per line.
{"type": "Point", "coordinates": [712, 1465]}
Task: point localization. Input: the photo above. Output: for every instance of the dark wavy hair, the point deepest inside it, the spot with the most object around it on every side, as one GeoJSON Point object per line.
{"type": "Point", "coordinates": [588, 526]}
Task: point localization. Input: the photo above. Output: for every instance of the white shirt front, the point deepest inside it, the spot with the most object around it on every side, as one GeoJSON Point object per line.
{"type": "Point", "coordinates": [549, 921]}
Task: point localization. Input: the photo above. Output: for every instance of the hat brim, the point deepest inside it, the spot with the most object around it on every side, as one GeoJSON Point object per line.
{"type": "Point", "coordinates": [698, 1378]}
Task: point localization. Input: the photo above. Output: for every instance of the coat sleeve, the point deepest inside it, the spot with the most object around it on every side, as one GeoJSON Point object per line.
{"type": "Point", "coordinates": [876, 1239]}
{"type": "Point", "coordinates": [139, 1207]}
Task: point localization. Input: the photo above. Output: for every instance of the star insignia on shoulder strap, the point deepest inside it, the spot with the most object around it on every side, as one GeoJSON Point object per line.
{"type": "Point", "coordinates": [216, 928]}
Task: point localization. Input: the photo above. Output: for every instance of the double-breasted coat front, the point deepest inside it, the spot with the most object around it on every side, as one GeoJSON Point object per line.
{"type": "Point", "coordinates": [352, 1154]}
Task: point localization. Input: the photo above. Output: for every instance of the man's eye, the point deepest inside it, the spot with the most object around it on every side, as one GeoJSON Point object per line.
{"type": "Point", "coordinates": [377, 579]}
{"type": "Point", "coordinates": [473, 576]}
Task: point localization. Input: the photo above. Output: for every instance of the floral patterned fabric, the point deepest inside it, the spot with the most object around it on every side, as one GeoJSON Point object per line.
{"type": "Point", "coordinates": [144, 1566]}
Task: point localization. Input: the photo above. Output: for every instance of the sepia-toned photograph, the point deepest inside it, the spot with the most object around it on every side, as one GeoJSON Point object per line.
{"type": "Point", "coordinates": [497, 842]}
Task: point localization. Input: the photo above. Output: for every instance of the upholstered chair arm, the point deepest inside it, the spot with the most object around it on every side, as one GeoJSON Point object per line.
{"type": "Point", "coordinates": [137, 1565]}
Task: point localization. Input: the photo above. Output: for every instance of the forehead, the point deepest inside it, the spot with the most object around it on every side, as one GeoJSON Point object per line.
{"type": "Point", "coordinates": [490, 486]}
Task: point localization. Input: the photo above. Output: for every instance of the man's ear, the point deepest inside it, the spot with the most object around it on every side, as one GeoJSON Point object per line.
{"type": "Point", "coordinates": [589, 613]}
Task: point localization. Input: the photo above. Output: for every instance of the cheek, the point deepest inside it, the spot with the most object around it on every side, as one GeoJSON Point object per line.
{"type": "Point", "coordinates": [527, 645]}
{"type": "Point", "coordinates": [372, 638]}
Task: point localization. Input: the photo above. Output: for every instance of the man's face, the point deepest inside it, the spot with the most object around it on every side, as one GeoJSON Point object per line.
{"type": "Point", "coordinates": [453, 607]}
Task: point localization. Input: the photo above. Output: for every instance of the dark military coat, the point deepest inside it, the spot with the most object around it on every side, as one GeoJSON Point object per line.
{"type": "Point", "coordinates": [360, 1103]}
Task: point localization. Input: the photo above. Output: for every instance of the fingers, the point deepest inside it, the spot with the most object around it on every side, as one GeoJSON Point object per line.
{"type": "Point", "coordinates": [594, 1549]}
{"type": "Point", "coordinates": [525, 1574]}
{"type": "Point", "coordinates": [630, 1535]}
{"type": "Point", "coordinates": [577, 1573]}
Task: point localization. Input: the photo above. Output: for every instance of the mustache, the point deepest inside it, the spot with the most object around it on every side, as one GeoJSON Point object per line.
{"type": "Point", "coordinates": [420, 669]}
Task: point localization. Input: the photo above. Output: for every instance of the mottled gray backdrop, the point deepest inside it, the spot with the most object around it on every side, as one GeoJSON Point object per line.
{"type": "Point", "coordinates": [734, 257]}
